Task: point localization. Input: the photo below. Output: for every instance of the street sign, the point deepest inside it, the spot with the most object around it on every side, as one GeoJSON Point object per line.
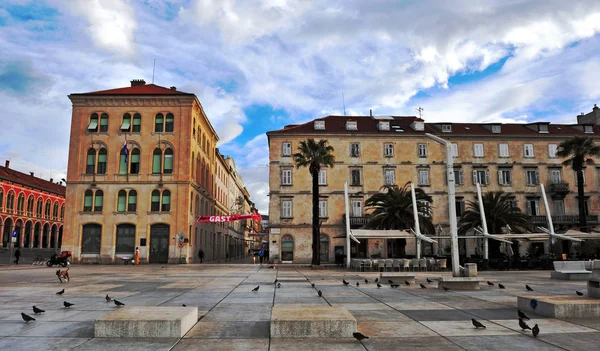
{"type": "Point", "coordinates": [14, 239]}
{"type": "Point", "coordinates": [180, 244]}
{"type": "Point", "coordinates": [15, 233]}
{"type": "Point", "coordinates": [181, 238]}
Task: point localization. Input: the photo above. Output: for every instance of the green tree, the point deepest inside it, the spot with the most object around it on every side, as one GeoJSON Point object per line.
{"type": "Point", "coordinates": [578, 152]}
{"type": "Point", "coordinates": [392, 209]}
{"type": "Point", "coordinates": [499, 212]}
{"type": "Point", "coordinates": [314, 155]}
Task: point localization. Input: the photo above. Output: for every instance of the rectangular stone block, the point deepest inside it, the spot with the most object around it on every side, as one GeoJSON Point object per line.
{"type": "Point", "coordinates": [312, 322]}
{"type": "Point", "coordinates": [146, 322]}
{"type": "Point", "coordinates": [560, 306]}
{"type": "Point", "coordinates": [570, 276]}
{"type": "Point", "coordinates": [459, 283]}
{"type": "Point", "coordinates": [400, 276]}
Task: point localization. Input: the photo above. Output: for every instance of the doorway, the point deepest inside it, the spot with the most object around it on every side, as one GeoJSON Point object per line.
{"type": "Point", "coordinates": [159, 243]}
{"type": "Point", "coordinates": [324, 250]}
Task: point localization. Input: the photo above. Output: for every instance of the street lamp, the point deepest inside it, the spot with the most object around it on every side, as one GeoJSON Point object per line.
{"type": "Point", "coordinates": [451, 201]}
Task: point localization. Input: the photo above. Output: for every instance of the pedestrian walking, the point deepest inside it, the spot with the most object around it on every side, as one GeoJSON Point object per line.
{"type": "Point", "coordinates": [261, 254]}
{"type": "Point", "coordinates": [137, 255]}
{"type": "Point", "coordinates": [17, 255]}
{"type": "Point", "coordinates": [200, 255]}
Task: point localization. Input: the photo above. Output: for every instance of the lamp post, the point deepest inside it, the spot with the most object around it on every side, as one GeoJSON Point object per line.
{"type": "Point", "coordinates": [451, 201]}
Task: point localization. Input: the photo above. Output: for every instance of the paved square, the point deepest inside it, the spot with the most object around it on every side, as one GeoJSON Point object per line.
{"type": "Point", "coordinates": [233, 317]}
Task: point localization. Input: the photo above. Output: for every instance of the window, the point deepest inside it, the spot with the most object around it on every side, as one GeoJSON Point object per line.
{"type": "Point", "coordinates": [10, 201]}
{"type": "Point", "coordinates": [47, 209]}
{"type": "Point", "coordinates": [388, 150]}
{"type": "Point", "coordinates": [168, 161]}
{"type": "Point", "coordinates": [354, 149]}
{"type": "Point", "coordinates": [93, 126]}
{"type": "Point", "coordinates": [20, 204]}
{"type": "Point", "coordinates": [577, 179]}
{"type": "Point", "coordinates": [155, 201]}
{"type": "Point", "coordinates": [166, 201]}
{"type": "Point", "coordinates": [446, 128]}
{"type": "Point", "coordinates": [389, 177]}
{"type": "Point", "coordinates": [481, 176]}
{"type": "Point", "coordinates": [104, 123]}
{"type": "Point", "coordinates": [355, 177]}
{"type": "Point", "coordinates": [504, 177]}
{"type": "Point", "coordinates": [156, 161]}
{"type": "Point", "coordinates": [496, 128]}
{"type": "Point", "coordinates": [384, 125]}
{"type": "Point", "coordinates": [588, 129]}
{"type": "Point", "coordinates": [30, 202]}
{"type": "Point", "coordinates": [90, 164]}
{"type": "Point", "coordinates": [528, 150]}
{"type": "Point", "coordinates": [586, 208]}
{"type": "Point", "coordinates": [543, 128]}
{"type": "Point", "coordinates": [322, 177]}
{"type": "Point", "coordinates": [55, 211]}
{"type": "Point", "coordinates": [454, 150]}
{"type": "Point", "coordinates": [137, 123]}
{"type": "Point", "coordinates": [159, 121]}
{"type": "Point", "coordinates": [121, 201]}
{"type": "Point", "coordinates": [122, 162]}
{"type": "Point", "coordinates": [320, 125]}
{"type": "Point", "coordinates": [533, 207]}
{"type": "Point", "coordinates": [98, 201]}
{"type": "Point", "coordinates": [286, 149]}
{"type": "Point", "coordinates": [286, 177]}
{"type": "Point", "coordinates": [1, 200]}
{"type": "Point", "coordinates": [88, 201]}
{"type": "Point", "coordinates": [322, 208]}
{"type": "Point", "coordinates": [351, 125]}
{"type": "Point", "coordinates": [126, 124]}
{"type": "Point", "coordinates": [503, 150]}
{"type": "Point", "coordinates": [134, 167]}
{"type": "Point", "coordinates": [424, 208]}
{"type": "Point", "coordinates": [558, 207]}
{"type": "Point", "coordinates": [478, 150]}
{"type": "Point", "coordinates": [356, 208]}
{"type": "Point", "coordinates": [459, 179]}
{"type": "Point", "coordinates": [169, 123]}
{"type": "Point", "coordinates": [555, 176]}
{"type": "Point", "coordinates": [533, 177]}
{"type": "Point", "coordinates": [460, 207]}
{"type": "Point", "coordinates": [132, 201]}
{"type": "Point", "coordinates": [422, 150]}
{"type": "Point", "coordinates": [424, 177]}
{"type": "Point", "coordinates": [286, 209]}
{"type": "Point", "coordinates": [101, 169]}
{"type": "Point", "coordinates": [287, 248]}
{"type": "Point", "coordinates": [39, 207]}
{"type": "Point", "coordinates": [91, 239]}
{"type": "Point", "coordinates": [552, 149]}
{"type": "Point", "coordinates": [125, 239]}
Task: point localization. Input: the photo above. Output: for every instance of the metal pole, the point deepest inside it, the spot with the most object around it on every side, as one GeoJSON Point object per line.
{"type": "Point", "coordinates": [547, 208]}
{"type": "Point", "coordinates": [483, 223]}
{"type": "Point", "coordinates": [416, 216]}
{"type": "Point", "coordinates": [451, 202]}
{"type": "Point", "coordinates": [347, 225]}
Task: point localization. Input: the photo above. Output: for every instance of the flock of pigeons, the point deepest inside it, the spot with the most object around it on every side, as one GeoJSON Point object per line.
{"type": "Point", "coordinates": [522, 316]}
{"type": "Point", "coordinates": [27, 318]}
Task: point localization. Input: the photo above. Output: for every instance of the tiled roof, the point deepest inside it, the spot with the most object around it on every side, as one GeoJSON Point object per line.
{"type": "Point", "coordinates": [147, 89]}
{"type": "Point", "coordinates": [31, 181]}
{"type": "Point", "coordinates": [368, 124]}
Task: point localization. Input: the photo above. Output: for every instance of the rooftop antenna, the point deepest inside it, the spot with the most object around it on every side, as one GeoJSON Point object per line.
{"type": "Point", "coordinates": [153, 67]}
{"type": "Point", "coordinates": [344, 102]}
{"type": "Point", "coordinates": [420, 110]}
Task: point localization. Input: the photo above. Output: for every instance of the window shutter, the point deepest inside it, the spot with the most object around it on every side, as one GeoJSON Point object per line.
{"type": "Point", "coordinates": [487, 177]}
{"type": "Point", "coordinates": [474, 177]}
{"type": "Point", "coordinates": [461, 177]}
{"type": "Point", "coordinates": [537, 177]}
{"type": "Point", "coordinates": [500, 180]}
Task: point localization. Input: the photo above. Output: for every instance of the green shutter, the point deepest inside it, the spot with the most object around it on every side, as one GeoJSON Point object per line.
{"type": "Point", "coordinates": [122, 165]}
{"type": "Point", "coordinates": [126, 124]}
{"type": "Point", "coordinates": [135, 158]}
{"type": "Point", "coordinates": [87, 202]}
{"type": "Point", "coordinates": [166, 200]}
{"type": "Point", "coordinates": [155, 197]}
{"type": "Point", "coordinates": [93, 124]}
{"type": "Point", "coordinates": [137, 121]}
{"type": "Point", "coordinates": [132, 198]}
{"type": "Point", "coordinates": [90, 159]}
{"type": "Point", "coordinates": [121, 203]}
{"type": "Point", "coordinates": [99, 200]}
{"type": "Point", "coordinates": [101, 158]}
{"type": "Point", "coordinates": [104, 121]}
{"type": "Point", "coordinates": [156, 163]}
{"type": "Point", "coordinates": [168, 162]}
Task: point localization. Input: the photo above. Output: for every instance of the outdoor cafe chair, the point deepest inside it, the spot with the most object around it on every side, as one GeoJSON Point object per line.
{"type": "Point", "coordinates": [396, 264]}
{"type": "Point", "coordinates": [389, 264]}
{"type": "Point", "coordinates": [414, 263]}
{"type": "Point", "coordinates": [442, 264]}
{"type": "Point", "coordinates": [423, 264]}
{"type": "Point", "coordinates": [405, 264]}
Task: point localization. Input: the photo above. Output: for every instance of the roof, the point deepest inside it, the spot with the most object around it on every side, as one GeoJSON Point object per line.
{"type": "Point", "coordinates": [31, 181]}
{"type": "Point", "coordinates": [146, 89]}
{"type": "Point", "coordinates": [402, 125]}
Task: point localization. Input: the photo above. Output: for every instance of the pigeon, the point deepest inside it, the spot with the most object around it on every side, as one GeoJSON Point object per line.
{"type": "Point", "coordinates": [275, 282]}
{"type": "Point", "coordinates": [429, 281]}
{"type": "Point", "coordinates": [256, 289]}
{"type": "Point", "coordinates": [390, 281]}
{"type": "Point", "coordinates": [67, 304]}
{"type": "Point", "coordinates": [523, 325]}
{"type": "Point", "coordinates": [477, 324]}
{"type": "Point", "coordinates": [366, 281]}
{"type": "Point", "coordinates": [422, 286]}
{"type": "Point", "coordinates": [358, 336]}
{"type": "Point", "coordinates": [357, 285]}
{"type": "Point", "coordinates": [522, 315]}
{"type": "Point", "coordinates": [61, 292]}
{"type": "Point", "coordinates": [445, 288]}
{"type": "Point", "coordinates": [320, 293]}
{"type": "Point", "coordinates": [183, 305]}
{"type": "Point", "coordinates": [37, 310]}
{"type": "Point", "coordinates": [118, 303]}
{"type": "Point", "coordinates": [278, 285]}
{"type": "Point", "coordinates": [108, 299]}
{"type": "Point", "coordinates": [535, 331]}
{"type": "Point", "coordinates": [579, 293]}
{"type": "Point", "coordinates": [345, 282]}
{"type": "Point", "coordinates": [406, 283]}
{"type": "Point", "coordinates": [394, 285]}
{"type": "Point", "coordinates": [27, 318]}
{"type": "Point", "coordinates": [313, 285]}
{"type": "Point", "coordinates": [501, 286]}
{"type": "Point", "coordinates": [528, 287]}
{"type": "Point", "coordinates": [376, 280]}
{"type": "Point", "coordinates": [378, 285]}
{"type": "Point", "coordinates": [490, 283]}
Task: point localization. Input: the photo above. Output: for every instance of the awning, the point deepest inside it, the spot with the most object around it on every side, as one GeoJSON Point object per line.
{"type": "Point", "coordinates": [93, 124]}
{"type": "Point", "coordinates": [380, 234]}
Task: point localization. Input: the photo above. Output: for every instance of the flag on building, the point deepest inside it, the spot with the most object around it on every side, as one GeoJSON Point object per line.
{"type": "Point", "coordinates": [124, 150]}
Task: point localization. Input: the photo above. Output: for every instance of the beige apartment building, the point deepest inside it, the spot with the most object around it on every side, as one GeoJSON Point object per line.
{"type": "Point", "coordinates": [142, 168]}
{"type": "Point", "coordinates": [371, 151]}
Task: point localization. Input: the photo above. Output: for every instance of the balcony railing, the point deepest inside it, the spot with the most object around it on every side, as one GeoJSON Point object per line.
{"type": "Point", "coordinates": [559, 188]}
{"type": "Point", "coordinates": [356, 222]}
{"type": "Point", "coordinates": [562, 219]}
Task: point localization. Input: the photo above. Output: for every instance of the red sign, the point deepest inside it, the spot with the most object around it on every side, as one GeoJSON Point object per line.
{"type": "Point", "coordinates": [228, 218]}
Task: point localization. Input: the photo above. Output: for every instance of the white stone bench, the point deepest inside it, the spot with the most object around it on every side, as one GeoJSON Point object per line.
{"type": "Point", "coordinates": [306, 321]}
{"type": "Point", "coordinates": [410, 277]}
{"type": "Point", "coordinates": [459, 283]}
{"type": "Point", "coordinates": [146, 322]}
{"type": "Point", "coordinates": [570, 270]}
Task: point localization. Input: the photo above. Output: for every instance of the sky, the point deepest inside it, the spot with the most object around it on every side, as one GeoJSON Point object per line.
{"type": "Point", "coordinates": [257, 65]}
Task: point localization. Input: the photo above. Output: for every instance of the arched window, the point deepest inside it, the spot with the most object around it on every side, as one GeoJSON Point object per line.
{"type": "Point", "coordinates": [102, 161]}
{"type": "Point", "coordinates": [93, 126]}
{"type": "Point", "coordinates": [47, 209]}
{"type": "Point", "coordinates": [90, 161]}
{"type": "Point", "coordinates": [62, 212]}
{"type": "Point", "coordinates": [159, 122]}
{"type": "Point", "coordinates": [287, 248]}
{"type": "Point", "coordinates": [1, 200]}
{"type": "Point", "coordinates": [132, 201]}
{"type": "Point", "coordinates": [55, 211]}
{"type": "Point", "coordinates": [156, 161]}
{"type": "Point", "coordinates": [104, 123]}
{"type": "Point", "coordinates": [10, 201]}
{"type": "Point", "coordinates": [122, 162]}
{"type": "Point", "coordinates": [125, 239]}
{"type": "Point", "coordinates": [135, 161]}
{"type": "Point", "coordinates": [137, 123]}
{"type": "Point", "coordinates": [169, 122]}
{"type": "Point", "coordinates": [168, 161]}
{"type": "Point", "coordinates": [98, 201]}
{"type": "Point", "coordinates": [20, 204]}
{"type": "Point", "coordinates": [121, 201]}
{"type": "Point", "coordinates": [166, 201]}
{"type": "Point", "coordinates": [126, 124]}
{"type": "Point", "coordinates": [39, 207]}
{"type": "Point", "coordinates": [30, 202]}
{"type": "Point", "coordinates": [191, 202]}
{"type": "Point", "coordinates": [91, 238]}
{"type": "Point", "coordinates": [155, 201]}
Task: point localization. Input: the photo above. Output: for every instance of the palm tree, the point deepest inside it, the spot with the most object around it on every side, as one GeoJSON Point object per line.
{"type": "Point", "coordinates": [392, 209]}
{"type": "Point", "coordinates": [578, 151]}
{"type": "Point", "coordinates": [314, 155]}
{"type": "Point", "coordinates": [499, 212]}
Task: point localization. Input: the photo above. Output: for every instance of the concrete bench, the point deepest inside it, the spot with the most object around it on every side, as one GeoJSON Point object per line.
{"type": "Point", "coordinates": [570, 270]}
{"type": "Point", "coordinates": [410, 277]}
{"type": "Point", "coordinates": [560, 306]}
{"type": "Point", "coordinates": [306, 321]}
{"type": "Point", "coordinates": [459, 283]}
{"type": "Point", "coordinates": [146, 322]}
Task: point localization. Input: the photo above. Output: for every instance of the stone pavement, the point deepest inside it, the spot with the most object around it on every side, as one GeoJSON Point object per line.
{"type": "Point", "coordinates": [235, 318]}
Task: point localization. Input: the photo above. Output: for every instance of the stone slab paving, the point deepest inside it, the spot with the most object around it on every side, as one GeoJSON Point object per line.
{"type": "Point", "coordinates": [232, 317]}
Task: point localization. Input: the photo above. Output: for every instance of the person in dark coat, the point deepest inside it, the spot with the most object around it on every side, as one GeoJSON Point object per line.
{"type": "Point", "coordinates": [17, 256]}
{"type": "Point", "coordinates": [200, 255]}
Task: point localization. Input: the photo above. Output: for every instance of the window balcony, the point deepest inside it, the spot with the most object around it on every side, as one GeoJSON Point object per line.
{"type": "Point", "coordinates": [559, 188]}
{"type": "Point", "coordinates": [356, 222]}
{"type": "Point", "coordinates": [562, 219]}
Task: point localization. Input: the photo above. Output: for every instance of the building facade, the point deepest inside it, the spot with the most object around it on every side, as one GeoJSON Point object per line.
{"type": "Point", "coordinates": [374, 151]}
{"type": "Point", "coordinates": [33, 207]}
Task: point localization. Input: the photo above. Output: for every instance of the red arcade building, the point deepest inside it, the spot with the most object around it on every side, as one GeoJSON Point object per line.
{"type": "Point", "coordinates": [32, 207]}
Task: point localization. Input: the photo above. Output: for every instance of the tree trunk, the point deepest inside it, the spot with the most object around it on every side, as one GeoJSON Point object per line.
{"type": "Point", "coordinates": [581, 202]}
{"type": "Point", "coordinates": [316, 256]}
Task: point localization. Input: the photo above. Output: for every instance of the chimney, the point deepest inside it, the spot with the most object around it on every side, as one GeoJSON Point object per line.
{"type": "Point", "coordinates": [138, 82]}
{"type": "Point", "coordinates": [51, 180]}
{"type": "Point", "coordinates": [371, 113]}
{"type": "Point", "coordinates": [595, 108]}
{"type": "Point", "coordinates": [7, 163]}
{"type": "Point", "coordinates": [174, 88]}
{"type": "Point", "coordinates": [31, 174]}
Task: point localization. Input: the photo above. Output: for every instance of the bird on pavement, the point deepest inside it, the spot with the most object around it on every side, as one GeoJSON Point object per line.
{"type": "Point", "coordinates": [312, 284]}
{"type": "Point", "coordinates": [422, 286]}
{"type": "Point", "coordinates": [26, 318]}
{"type": "Point", "coordinates": [535, 331]}
{"type": "Point", "coordinates": [275, 282]}
{"type": "Point", "coordinates": [390, 281]}
{"type": "Point", "coordinates": [37, 310]}
{"type": "Point", "coordinates": [445, 288]}
{"type": "Point", "coordinates": [501, 286]}
{"type": "Point", "coordinates": [378, 285]}
{"type": "Point", "coordinates": [366, 281]}
{"type": "Point", "coordinates": [108, 298]}
{"type": "Point", "coordinates": [490, 283]}
{"type": "Point", "coordinates": [345, 282]}
{"type": "Point", "coordinates": [528, 287]}
{"type": "Point", "coordinates": [320, 293]}
{"type": "Point", "coordinates": [523, 325]}
{"type": "Point", "coordinates": [256, 289]}
{"type": "Point", "coordinates": [358, 336]}
{"type": "Point", "coordinates": [376, 280]}
{"type": "Point", "coordinates": [67, 304]}
{"type": "Point", "coordinates": [429, 281]}
{"type": "Point", "coordinates": [579, 293]}
{"type": "Point", "coordinates": [119, 303]}
{"type": "Point", "coordinates": [394, 285]}
{"type": "Point", "coordinates": [406, 283]}
{"type": "Point", "coordinates": [357, 284]}
{"type": "Point", "coordinates": [278, 285]}
{"type": "Point", "coordinates": [183, 305]}
{"type": "Point", "coordinates": [477, 324]}
{"type": "Point", "coordinates": [522, 315]}
{"type": "Point", "coordinates": [61, 292]}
